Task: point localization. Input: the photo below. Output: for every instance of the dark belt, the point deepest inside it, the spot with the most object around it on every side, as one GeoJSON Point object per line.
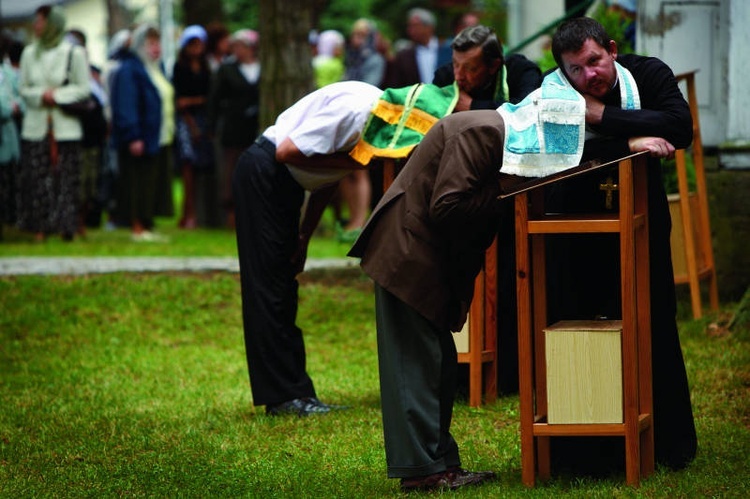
{"type": "Point", "coordinates": [266, 145]}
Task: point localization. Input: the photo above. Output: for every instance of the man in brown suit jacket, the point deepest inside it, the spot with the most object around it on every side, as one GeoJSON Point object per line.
{"type": "Point", "coordinates": [423, 246]}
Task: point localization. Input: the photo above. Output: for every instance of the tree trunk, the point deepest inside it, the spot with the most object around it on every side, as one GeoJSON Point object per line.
{"type": "Point", "coordinates": [285, 56]}
{"type": "Point", "coordinates": [202, 12]}
{"type": "Point", "coordinates": [117, 17]}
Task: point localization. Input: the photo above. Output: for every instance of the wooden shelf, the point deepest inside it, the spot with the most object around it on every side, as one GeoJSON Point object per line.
{"type": "Point", "coordinates": [542, 429]}
{"type": "Point", "coordinates": [578, 224]}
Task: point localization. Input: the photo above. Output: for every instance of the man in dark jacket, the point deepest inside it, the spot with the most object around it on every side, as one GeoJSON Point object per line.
{"type": "Point", "coordinates": [233, 108]}
{"type": "Point", "coordinates": [417, 62]}
{"type": "Point", "coordinates": [485, 77]}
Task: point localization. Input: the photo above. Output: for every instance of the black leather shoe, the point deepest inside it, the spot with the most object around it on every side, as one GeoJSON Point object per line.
{"type": "Point", "coordinates": [450, 479]}
{"type": "Point", "coordinates": [301, 407]}
{"type": "Point", "coordinates": [331, 407]}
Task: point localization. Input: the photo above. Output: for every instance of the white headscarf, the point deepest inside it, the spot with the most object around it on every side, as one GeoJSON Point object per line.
{"type": "Point", "coordinates": [329, 41]}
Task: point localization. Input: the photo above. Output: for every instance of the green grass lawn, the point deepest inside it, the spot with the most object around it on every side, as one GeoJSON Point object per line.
{"type": "Point", "coordinates": [197, 242]}
{"type": "Point", "coordinates": [136, 385]}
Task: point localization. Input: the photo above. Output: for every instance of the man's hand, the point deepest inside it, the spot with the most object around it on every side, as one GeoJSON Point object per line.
{"type": "Point", "coordinates": [594, 110]}
{"type": "Point", "coordinates": [300, 255]}
{"type": "Point", "coordinates": [136, 148]}
{"type": "Point", "coordinates": [658, 147]}
{"type": "Point", "coordinates": [463, 103]}
{"type": "Point", "coordinates": [48, 98]}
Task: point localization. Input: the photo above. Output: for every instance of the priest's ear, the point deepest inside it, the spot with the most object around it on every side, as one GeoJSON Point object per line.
{"type": "Point", "coordinates": [612, 49]}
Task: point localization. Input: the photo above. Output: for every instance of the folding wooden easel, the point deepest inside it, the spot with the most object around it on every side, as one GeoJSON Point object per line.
{"type": "Point", "coordinates": [698, 262]}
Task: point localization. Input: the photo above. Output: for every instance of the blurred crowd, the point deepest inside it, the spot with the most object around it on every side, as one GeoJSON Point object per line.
{"type": "Point", "coordinates": [85, 146]}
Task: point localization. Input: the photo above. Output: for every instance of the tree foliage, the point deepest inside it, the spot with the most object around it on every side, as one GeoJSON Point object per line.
{"type": "Point", "coordinates": [241, 14]}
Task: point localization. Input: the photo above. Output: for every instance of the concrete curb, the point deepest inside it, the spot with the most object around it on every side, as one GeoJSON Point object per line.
{"type": "Point", "coordinates": [103, 265]}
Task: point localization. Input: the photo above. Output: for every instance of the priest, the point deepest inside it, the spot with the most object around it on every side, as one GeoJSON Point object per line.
{"type": "Point", "coordinates": [584, 283]}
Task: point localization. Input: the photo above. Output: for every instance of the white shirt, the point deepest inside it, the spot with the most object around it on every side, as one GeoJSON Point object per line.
{"type": "Point", "coordinates": [251, 72]}
{"type": "Point", "coordinates": [328, 120]}
{"type": "Point", "coordinates": [427, 60]}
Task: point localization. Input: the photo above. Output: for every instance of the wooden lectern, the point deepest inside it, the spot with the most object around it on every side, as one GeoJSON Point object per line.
{"type": "Point", "coordinates": [532, 225]}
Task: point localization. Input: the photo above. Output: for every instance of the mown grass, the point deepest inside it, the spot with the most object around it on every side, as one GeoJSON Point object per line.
{"type": "Point", "coordinates": [198, 242]}
{"type": "Point", "coordinates": [136, 385]}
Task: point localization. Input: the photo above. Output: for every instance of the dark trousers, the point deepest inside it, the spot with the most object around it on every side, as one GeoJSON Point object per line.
{"type": "Point", "coordinates": [418, 365]}
{"type": "Point", "coordinates": [137, 188]}
{"type": "Point", "coordinates": [268, 202]}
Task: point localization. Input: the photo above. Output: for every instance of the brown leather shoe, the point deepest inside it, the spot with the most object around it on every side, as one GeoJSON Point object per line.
{"type": "Point", "coordinates": [450, 479]}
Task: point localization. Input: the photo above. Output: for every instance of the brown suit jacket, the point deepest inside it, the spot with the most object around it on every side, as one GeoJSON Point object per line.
{"type": "Point", "coordinates": [426, 239]}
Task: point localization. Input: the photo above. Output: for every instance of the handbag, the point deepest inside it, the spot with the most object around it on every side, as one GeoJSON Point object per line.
{"type": "Point", "coordinates": [81, 107]}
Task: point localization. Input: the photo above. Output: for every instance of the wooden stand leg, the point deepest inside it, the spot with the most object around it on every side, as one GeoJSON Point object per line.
{"type": "Point", "coordinates": [643, 324]}
{"type": "Point", "coordinates": [525, 360]}
{"type": "Point", "coordinates": [489, 340]}
{"type": "Point", "coordinates": [389, 172]}
{"type": "Point", "coordinates": [476, 322]}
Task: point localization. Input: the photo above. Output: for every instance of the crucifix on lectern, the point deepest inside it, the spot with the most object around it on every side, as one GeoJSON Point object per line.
{"type": "Point", "coordinates": [609, 187]}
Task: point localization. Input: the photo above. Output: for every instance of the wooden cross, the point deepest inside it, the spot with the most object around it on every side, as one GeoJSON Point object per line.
{"type": "Point", "coordinates": [610, 187]}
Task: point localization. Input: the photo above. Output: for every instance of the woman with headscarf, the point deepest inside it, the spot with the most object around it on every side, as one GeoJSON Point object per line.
{"type": "Point", "coordinates": [195, 149]}
{"type": "Point", "coordinates": [53, 72]}
{"type": "Point", "coordinates": [141, 98]}
{"type": "Point", "coordinates": [363, 62]}
{"type": "Point", "coordinates": [11, 107]}
{"type": "Point", "coordinates": [119, 47]}
{"type": "Point", "coordinates": [328, 63]}
{"type": "Point", "coordinates": [234, 108]}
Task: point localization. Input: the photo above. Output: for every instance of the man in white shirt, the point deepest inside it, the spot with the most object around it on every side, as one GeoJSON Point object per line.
{"type": "Point", "coordinates": [305, 150]}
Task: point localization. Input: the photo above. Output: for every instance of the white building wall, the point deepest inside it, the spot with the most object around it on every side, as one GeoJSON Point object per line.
{"type": "Point", "coordinates": [90, 17]}
{"type": "Point", "coordinates": [738, 96]}
{"type": "Point", "coordinates": [526, 17]}
{"type": "Point", "coordinates": [692, 35]}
